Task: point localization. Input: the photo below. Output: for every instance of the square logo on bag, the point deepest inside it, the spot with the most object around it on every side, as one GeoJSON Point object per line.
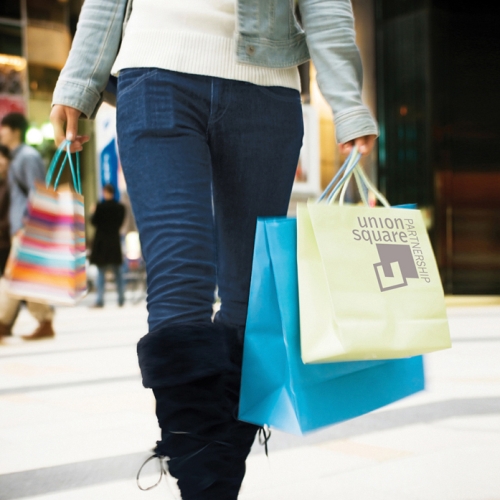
{"type": "Point", "coordinates": [395, 267]}
{"type": "Point", "coordinates": [399, 250]}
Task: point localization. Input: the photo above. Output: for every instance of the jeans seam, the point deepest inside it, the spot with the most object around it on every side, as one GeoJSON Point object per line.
{"type": "Point", "coordinates": [209, 121]}
{"type": "Point", "coordinates": [145, 76]}
{"type": "Point", "coordinates": [219, 118]}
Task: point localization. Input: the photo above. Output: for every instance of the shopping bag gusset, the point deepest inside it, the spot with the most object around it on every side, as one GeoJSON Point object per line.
{"type": "Point", "coordinates": [369, 286]}
{"type": "Point", "coordinates": [48, 262]}
{"type": "Point", "coordinates": [277, 388]}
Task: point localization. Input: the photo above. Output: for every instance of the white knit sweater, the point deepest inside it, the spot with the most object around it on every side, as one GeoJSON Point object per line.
{"type": "Point", "coordinates": [192, 36]}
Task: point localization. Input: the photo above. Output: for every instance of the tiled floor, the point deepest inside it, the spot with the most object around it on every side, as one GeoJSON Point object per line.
{"type": "Point", "coordinates": [75, 422]}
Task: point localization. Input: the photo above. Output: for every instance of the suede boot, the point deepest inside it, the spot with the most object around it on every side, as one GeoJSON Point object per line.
{"type": "Point", "coordinates": [194, 371]}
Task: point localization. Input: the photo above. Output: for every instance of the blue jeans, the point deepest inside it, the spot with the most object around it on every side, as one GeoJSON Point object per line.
{"type": "Point", "coordinates": [203, 157]}
{"type": "Point", "coordinates": [101, 283]}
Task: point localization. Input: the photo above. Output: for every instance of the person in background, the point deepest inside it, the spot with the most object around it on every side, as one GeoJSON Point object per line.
{"type": "Point", "coordinates": [25, 169]}
{"type": "Point", "coordinates": [107, 250]}
{"type": "Point", "coordinates": [4, 207]}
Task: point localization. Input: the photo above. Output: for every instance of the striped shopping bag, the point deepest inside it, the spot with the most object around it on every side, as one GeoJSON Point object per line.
{"type": "Point", "coordinates": [47, 262]}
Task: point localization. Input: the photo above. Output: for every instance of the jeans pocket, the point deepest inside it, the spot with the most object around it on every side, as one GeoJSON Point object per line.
{"type": "Point", "coordinates": [129, 78]}
{"type": "Point", "coordinates": [280, 93]}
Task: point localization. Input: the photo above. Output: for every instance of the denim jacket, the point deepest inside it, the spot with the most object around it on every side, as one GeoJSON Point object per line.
{"type": "Point", "coordinates": [268, 35]}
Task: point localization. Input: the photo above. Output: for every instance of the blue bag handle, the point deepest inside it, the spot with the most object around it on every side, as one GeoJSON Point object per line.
{"type": "Point", "coordinates": [343, 172]}
{"type": "Point", "coordinates": [75, 172]}
{"type": "Point", "coordinates": [349, 169]}
{"type": "Point", "coordinates": [342, 176]}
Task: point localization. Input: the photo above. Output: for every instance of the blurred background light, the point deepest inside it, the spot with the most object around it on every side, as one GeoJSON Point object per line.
{"type": "Point", "coordinates": [48, 131]}
{"type": "Point", "coordinates": [17, 62]}
{"type": "Point", "coordinates": [34, 136]}
{"type": "Point", "coordinates": [132, 246]}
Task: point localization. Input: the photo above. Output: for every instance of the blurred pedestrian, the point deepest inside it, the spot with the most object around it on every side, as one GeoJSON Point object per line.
{"type": "Point", "coordinates": [106, 252]}
{"type": "Point", "coordinates": [4, 207]}
{"type": "Point", "coordinates": [210, 127]}
{"type": "Point", "coordinates": [25, 169]}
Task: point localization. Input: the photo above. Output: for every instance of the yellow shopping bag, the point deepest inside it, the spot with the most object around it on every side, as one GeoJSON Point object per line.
{"type": "Point", "coordinates": [369, 286]}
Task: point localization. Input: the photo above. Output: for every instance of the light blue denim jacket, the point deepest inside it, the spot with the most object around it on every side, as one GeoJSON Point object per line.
{"type": "Point", "coordinates": [268, 35]}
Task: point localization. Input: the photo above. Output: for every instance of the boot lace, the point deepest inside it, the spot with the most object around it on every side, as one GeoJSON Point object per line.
{"type": "Point", "coordinates": [264, 437]}
{"type": "Point", "coordinates": [163, 471]}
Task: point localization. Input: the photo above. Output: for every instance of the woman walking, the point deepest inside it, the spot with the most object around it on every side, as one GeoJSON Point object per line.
{"type": "Point", "coordinates": [209, 123]}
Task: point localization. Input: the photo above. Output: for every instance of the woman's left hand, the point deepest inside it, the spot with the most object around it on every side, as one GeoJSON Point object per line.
{"type": "Point", "coordinates": [365, 145]}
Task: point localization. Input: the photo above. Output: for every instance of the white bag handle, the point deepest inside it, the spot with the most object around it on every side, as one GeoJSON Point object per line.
{"type": "Point", "coordinates": [361, 188]}
{"type": "Point", "coordinates": [349, 168]}
{"type": "Point", "coordinates": [369, 185]}
{"type": "Point", "coordinates": [337, 176]}
{"type": "Point", "coordinates": [362, 181]}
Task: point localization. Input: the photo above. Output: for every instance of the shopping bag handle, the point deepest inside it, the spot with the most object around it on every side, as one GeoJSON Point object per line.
{"type": "Point", "coordinates": [353, 168]}
{"type": "Point", "coordinates": [363, 190]}
{"type": "Point", "coordinates": [343, 172]}
{"type": "Point", "coordinates": [75, 172]}
{"type": "Point", "coordinates": [363, 182]}
{"type": "Point", "coordinates": [352, 161]}
{"type": "Point", "coordinates": [346, 172]}
{"type": "Point", "coordinates": [338, 185]}
{"type": "Point", "coordinates": [371, 187]}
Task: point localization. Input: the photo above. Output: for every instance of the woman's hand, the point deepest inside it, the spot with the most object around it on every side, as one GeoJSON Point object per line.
{"type": "Point", "coordinates": [63, 117]}
{"type": "Point", "coordinates": [365, 145]}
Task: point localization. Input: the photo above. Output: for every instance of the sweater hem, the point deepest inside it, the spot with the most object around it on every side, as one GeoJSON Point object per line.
{"type": "Point", "coordinates": [197, 53]}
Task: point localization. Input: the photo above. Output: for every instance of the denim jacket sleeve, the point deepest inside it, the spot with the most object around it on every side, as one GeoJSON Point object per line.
{"type": "Point", "coordinates": [95, 46]}
{"type": "Point", "coordinates": [330, 36]}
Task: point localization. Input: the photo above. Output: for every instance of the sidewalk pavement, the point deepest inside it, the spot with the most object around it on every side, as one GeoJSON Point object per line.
{"type": "Point", "coordinates": [75, 422]}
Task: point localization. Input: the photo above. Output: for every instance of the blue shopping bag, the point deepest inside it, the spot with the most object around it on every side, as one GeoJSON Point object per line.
{"type": "Point", "coordinates": [277, 388]}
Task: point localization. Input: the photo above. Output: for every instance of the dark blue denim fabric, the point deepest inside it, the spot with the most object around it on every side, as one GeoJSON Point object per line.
{"type": "Point", "coordinates": [203, 157]}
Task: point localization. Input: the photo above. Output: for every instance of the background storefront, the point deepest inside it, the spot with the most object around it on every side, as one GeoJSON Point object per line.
{"type": "Point", "coordinates": [438, 68]}
{"type": "Point", "coordinates": [431, 74]}
{"type": "Point", "coordinates": [35, 39]}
